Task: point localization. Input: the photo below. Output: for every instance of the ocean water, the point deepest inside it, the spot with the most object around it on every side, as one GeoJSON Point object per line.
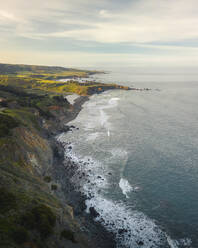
{"type": "Point", "coordinates": [138, 157]}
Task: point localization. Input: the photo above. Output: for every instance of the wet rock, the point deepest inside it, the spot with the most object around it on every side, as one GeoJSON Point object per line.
{"type": "Point", "coordinates": [65, 129]}
{"type": "Point", "coordinates": [93, 212]}
{"type": "Point", "coordinates": [122, 230]}
{"type": "Point", "coordinates": [69, 147]}
{"type": "Point", "coordinates": [140, 243]}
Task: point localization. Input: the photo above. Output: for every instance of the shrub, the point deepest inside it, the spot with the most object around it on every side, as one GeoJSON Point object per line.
{"type": "Point", "coordinates": [20, 235]}
{"type": "Point", "coordinates": [7, 200]}
{"type": "Point", "coordinates": [40, 218]}
{"type": "Point", "coordinates": [5, 227]}
{"type": "Point", "coordinates": [54, 187]}
{"type": "Point", "coordinates": [6, 124]}
{"type": "Point", "coordinates": [68, 234]}
{"type": "Point", "coordinates": [47, 179]}
{"type": "Point", "coordinates": [11, 232]}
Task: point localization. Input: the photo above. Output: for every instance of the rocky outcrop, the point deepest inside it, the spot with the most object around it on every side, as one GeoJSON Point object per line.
{"type": "Point", "coordinates": [101, 88]}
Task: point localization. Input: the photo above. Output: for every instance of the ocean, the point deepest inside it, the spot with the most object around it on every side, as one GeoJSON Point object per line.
{"type": "Point", "coordinates": [138, 157]}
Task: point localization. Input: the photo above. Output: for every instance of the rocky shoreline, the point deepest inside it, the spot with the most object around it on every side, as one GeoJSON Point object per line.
{"type": "Point", "coordinates": [62, 170]}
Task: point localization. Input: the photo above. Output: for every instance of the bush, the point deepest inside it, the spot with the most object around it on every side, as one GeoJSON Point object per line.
{"type": "Point", "coordinates": [6, 124]}
{"type": "Point", "coordinates": [69, 235]}
{"type": "Point", "coordinates": [47, 179]}
{"type": "Point", "coordinates": [54, 187]}
{"type": "Point", "coordinates": [7, 200]}
{"type": "Point", "coordinates": [5, 227]}
{"type": "Point", "coordinates": [20, 235]}
{"type": "Point", "coordinates": [40, 218]}
{"type": "Point", "coordinates": [11, 232]}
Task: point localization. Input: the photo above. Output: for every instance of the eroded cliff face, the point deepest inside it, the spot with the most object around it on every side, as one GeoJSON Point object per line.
{"type": "Point", "coordinates": [34, 204]}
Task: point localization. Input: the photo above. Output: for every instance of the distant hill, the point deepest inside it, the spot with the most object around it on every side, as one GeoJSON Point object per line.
{"type": "Point", "coordinates": [20, 68]}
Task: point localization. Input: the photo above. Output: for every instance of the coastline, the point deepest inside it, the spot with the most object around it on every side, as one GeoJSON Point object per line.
{"type": "Point", "coordinates": [63, 169]}
{"type": "Point", "coordinates": [34, 172]}
{"type": "Point", "coordinates": [93, 219]}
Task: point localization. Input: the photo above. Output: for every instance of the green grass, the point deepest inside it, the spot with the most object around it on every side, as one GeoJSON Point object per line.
{"type": "Point", "coordinates": [45, 79]}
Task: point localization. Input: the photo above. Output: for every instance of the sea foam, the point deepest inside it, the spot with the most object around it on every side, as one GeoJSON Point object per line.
{"type": "Point", "coordinates": [132, 228]}
{"type": "Point", "coordinates": [125, 187]}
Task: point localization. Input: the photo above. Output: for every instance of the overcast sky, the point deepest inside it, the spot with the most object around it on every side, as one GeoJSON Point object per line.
{"type": "Point", "coordinates": [99, 32]}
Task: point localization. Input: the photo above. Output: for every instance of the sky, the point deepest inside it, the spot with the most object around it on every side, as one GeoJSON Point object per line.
{"type": "Point", "coordinates": [99, 33]}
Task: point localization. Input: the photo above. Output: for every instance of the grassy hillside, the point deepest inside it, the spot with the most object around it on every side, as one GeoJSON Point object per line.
{"type": "Point", "coordinates": [29, 210]}
{"type": "Point", "coordinates": [39, 78]}
{"type": "Point", "coordinates": [7, 69]}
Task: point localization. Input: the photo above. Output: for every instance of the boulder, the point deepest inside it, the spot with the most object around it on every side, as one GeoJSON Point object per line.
{"type": "Point", "coordinates": [93, 212]}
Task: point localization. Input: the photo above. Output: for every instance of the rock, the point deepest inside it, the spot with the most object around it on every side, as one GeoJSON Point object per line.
{"type": "Point", "coordinates": [121, 231]}
{"type": "Point", "coordinates": [65, 129]}
{"type": "Point", "coordinates": [140, 243]}
{"type": "Point", "coordinates": [93, 212]}
{"type": "Point", "coordinates": [69, 147]}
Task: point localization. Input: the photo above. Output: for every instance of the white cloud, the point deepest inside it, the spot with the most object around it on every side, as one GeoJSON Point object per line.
{"type": "Point", "coordinates": [141, 21]}
{"type": "Point", "coordinates": [147, 21]}
{"type": "Point", "coordinates": [105, 13]}
{"type": "Point", "coordinates": [105, 21]}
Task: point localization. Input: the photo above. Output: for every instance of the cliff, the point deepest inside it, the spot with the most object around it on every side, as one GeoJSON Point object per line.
{"type": "Point", "coordinates": [39, 207]}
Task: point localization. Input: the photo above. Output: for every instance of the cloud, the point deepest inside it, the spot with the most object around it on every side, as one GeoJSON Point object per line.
{"type": "Point", "coordinates": [142, 21]}
{"type": "Point", "coordinates": [144, 25]}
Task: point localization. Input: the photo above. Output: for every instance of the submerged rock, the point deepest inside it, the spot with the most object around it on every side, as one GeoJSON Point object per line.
{"type": "Point", "coordinates": [93, 212]}
{"type": "Point", "coordinates": [122, 230]}
{"type": "Point", "coordinates": [140, 243]}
